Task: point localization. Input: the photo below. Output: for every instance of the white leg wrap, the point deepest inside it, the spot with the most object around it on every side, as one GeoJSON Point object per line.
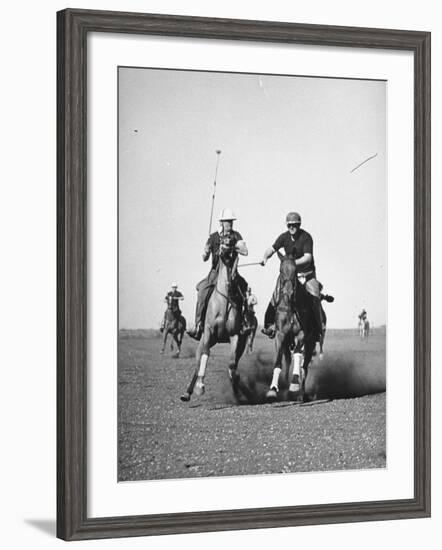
{"type": "Point", "coordinates": [275, 379]}
{"type": "Point", "coordinates": [203, 365]}
{"type": "Point", "coordinates": [297, 362]}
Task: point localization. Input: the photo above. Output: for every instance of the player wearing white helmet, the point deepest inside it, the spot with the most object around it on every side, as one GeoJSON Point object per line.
{"type": "Point", "coordinates": [225, 238]}
{"type": "Point", "coordinates": [172, 299]}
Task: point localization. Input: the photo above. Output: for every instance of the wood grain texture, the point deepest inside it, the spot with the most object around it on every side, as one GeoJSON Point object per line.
{"type": "Point", "coordinates": [72, 29]}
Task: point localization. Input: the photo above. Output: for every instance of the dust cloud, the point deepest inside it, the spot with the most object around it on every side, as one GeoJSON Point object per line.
{"type": "Point", "coordinates": [336, 376]}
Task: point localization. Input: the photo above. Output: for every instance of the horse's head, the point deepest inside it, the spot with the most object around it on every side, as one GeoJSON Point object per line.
{"type": "Point", "coordinates": [227, 251]}
{"type": "Point", "coordinates": [287, 275]}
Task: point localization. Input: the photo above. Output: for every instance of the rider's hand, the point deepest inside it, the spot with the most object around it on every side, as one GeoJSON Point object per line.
{"type": "Point", "coordinates": [263, 263]}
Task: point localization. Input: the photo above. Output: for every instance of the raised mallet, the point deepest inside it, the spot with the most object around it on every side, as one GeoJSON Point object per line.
{"type": "Point", "coordinates": [218, 153]}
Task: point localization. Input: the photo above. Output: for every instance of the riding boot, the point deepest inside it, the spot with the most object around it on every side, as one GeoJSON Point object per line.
{"type": "Point", "coordinates": [197, 330]}
{"type": "Point", "coordinates": [269, 321]}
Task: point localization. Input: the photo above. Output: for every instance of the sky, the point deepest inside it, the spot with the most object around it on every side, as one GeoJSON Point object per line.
{"type": "Point", "coordinates": [288, 143]}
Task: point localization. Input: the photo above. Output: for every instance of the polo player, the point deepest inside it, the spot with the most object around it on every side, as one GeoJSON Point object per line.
{"type": "Point", "coordinates": [299, 244]}
{"type": "Point", "coordinates": [224, 239]}
{"type": "Point", "coordinates": [251, 300]}
{"type": "Point", "coordinates": [172, 299]}
{"type": "Point", "coordinates": [249, 311]}
{"type": "Point", "coordinates": [363, 315]}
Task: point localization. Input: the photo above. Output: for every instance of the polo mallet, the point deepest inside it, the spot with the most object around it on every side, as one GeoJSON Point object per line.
{"type": "Point", "coordinates": [218, 152]}
{"type": "Point", "coordinates": [253, 263]}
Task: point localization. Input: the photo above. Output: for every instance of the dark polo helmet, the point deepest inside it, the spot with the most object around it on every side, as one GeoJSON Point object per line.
{"type": "Point", "coordinates": [293, 217]}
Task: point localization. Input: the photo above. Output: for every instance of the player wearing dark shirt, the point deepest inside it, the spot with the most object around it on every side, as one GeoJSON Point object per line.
{"type": "Point", "coordinates": [172, 299]}
{"type": "Point", "coordinates": [226, 237]}
{"type": "Point", "coordinates": [299, 244]}
{"type": "Point", "coordinates": [363, 315]}
{"type": "Point", "coordinates": [214, 242]}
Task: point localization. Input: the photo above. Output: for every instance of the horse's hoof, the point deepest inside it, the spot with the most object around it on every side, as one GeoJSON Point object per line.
{"type": "Point", "coordinates": [321, 356]}
{"type": "Point", "coordinates": [272, 395]}
{"type": "Point", "coordinates": [199, 389]}
{"type": "Point", "coordinates": [162, 352]}
{"type": "Point", "coordinates": [292, 396]}
{"type": "Point", "coordinates": [185, 396]}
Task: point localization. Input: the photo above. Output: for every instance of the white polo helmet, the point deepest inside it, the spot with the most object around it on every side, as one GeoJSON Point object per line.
{"type": "Point", "coordinates": [174, 285]}
{"type": "Point", "coordinates": [227, 215]}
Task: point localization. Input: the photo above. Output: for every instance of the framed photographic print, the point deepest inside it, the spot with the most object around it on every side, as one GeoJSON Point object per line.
{"type": "Point", "coordinates": [243, 274]}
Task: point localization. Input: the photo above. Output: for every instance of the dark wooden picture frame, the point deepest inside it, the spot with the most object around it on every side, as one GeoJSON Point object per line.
{"type": "Point", "coordinates": [73, 27]}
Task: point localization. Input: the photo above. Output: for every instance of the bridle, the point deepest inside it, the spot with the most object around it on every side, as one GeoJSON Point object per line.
{"type": "Point", "coordinates": [287, 287]}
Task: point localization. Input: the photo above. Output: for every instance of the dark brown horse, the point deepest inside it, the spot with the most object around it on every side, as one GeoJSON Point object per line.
{"type": "Point", "coordinates": [295, 331]}
{"type": "Point", "coordinates": [222, 324]}
{"type": "Point", "coordinates": [174, 324]}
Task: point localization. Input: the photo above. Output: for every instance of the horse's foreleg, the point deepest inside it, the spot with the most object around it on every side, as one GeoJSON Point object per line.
{"type": "Point", "coordinates": [232, 361]}
{"type": "Point", "coordinates": [308, 354]}
{"type": "Point", "coordinates": [249, 343]}
{"type": "Point", "coordinates": [297, 360]}
{"type": "Point", "coordinates": [202, 356]}
{"type": "Point", "coordinates": [252, 339]}
{"type": "Point", "coordinates": [166, 332]}
{"type": "Point", "coordinates": [272, 394]}
{"type": "Point", "coordinates": [177, 342]}
{"type": "Point", "coordinates": [295, 388]}
{"type": "Point", "coordinates": [238, 344]}
{"type": "Point", "coordinates": [287, 364]}
{"type": "Point", "coordinates": [196, 375]}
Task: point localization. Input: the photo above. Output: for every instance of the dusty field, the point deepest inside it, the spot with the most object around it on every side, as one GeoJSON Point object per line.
{"type": "Point", "coordinates": [161, 437]}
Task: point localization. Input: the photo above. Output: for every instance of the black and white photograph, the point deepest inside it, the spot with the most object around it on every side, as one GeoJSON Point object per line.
{"type": "Point", "coordinates": [221, 224]}
{"type": "Point", "coordinates": [252, 274]}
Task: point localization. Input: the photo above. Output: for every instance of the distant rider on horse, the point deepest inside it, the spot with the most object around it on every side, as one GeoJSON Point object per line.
{"type": "Point", "coordinates": [362, 316]}
{"type": "Point", "coordinates": [224, 239]}
{"type": "Point", "coordinates": [172, 299]}
{"type": "Point", "coordinates": [251, 300]}
{"type": "Point", "coordinates": [299, 244]}
{"type": "Point", "coordinates": [249, 311]}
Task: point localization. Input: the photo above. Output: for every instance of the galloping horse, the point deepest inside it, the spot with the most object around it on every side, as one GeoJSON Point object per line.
{"type": "Point", "coordinates": [253, 326]}
{"type": "Point", "coordinates": [295, 331]}
{"type": "Point", "coordinates": [364, 328]}
{"type": "Point", "coordinates": [222, 324]}
{"type": "Point", "coordinates": [174, 324]}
